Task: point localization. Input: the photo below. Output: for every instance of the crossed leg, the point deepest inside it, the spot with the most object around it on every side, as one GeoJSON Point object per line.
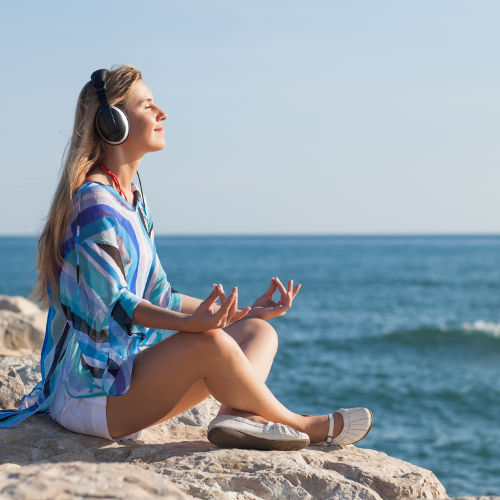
{"type": "Point", "coordinates": [259, 342]}
{"type": "Point", "coordinates": [182, 370]}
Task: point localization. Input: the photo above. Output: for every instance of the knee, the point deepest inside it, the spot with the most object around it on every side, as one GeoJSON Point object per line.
{"type": "Point", "coordinates": [264, 331]}
{"type": "Point", "coordinates": [219, 343]}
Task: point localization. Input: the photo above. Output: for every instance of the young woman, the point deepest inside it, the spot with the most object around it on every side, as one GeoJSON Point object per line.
{"type": "Point", "coordinates": [108, 367]}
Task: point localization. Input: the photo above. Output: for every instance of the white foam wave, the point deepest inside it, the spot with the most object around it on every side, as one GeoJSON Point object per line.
{"type": "Point", "coordinates": [483, 326]}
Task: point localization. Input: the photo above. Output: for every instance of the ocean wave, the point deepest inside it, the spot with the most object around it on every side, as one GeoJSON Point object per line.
{"type": "Point", "coordinates": [479, 333]}
{"type": "Point", "coordinates": [487, 327]}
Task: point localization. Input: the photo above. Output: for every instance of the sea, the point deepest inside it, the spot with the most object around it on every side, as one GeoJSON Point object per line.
{"type": "Point", "coordinates": [406, 326]}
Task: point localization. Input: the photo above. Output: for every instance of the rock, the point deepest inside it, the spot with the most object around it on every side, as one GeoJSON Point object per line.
{"type": "Point", "coordinates": [311, 473]}
{"type": "Point", "coordinates": [182, 454]}
{"type": "Point", "coordinates": [79, 481]}
{"type": "Point", "coordinates": [11, 388]}
{"type": "Point", "coordinates": [200, 415]}
{"type": "Point", "coordinates": [9, 466]}
{"type": "Point", "coordinates": [27, 367]}
{"type": "Point", "coordinates": [18, 304]}
{"type": "Point", "coordinates": [21, 333]}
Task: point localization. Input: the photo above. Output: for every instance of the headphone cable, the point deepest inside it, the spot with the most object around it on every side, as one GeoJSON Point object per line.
{"type": "Point", "coordinates": [142, 193]}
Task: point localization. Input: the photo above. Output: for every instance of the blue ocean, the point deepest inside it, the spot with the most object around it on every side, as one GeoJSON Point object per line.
{"type": "Point", "coordinates": [407, 326]}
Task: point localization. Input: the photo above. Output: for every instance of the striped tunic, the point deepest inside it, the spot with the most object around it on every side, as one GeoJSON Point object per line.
{"type": "Point", "coordinates": [109, 266]}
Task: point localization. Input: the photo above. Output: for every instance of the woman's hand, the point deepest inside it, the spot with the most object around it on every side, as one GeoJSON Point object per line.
{"type": "Point", "coordinates": [204, 318]}
{"type": "Point", "coordinates": [265, 307]}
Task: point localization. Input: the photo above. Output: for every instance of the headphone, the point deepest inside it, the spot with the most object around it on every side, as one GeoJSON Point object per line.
{"type": "Point", "coordinates": [111, 122]}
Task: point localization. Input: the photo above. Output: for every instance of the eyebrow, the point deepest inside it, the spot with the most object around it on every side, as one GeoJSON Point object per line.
{"type": "Point", "coordinates": [147, 99]}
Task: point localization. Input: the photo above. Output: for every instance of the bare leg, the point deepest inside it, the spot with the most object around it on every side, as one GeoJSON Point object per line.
{"type": "Point", "coordinates": [164, 373]}
{"type": "Point", "coordinates": [259, 342]}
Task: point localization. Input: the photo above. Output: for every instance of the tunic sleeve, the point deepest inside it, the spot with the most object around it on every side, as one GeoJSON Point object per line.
{"type": "Point", "coordinates": [96, 295]}
{"type": "Point", "coordinates": [160, 293]}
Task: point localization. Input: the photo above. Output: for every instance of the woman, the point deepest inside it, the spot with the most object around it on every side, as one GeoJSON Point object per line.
{"type": "Point", "coordinates": [108, 368]}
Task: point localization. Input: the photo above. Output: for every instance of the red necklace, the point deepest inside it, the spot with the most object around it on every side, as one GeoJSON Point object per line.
{"type": "Point", "coordinates": [106, 170]}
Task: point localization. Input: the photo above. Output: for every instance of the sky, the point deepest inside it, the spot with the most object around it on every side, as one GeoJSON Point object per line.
{"type": "Point", "coordinates": [284, 117]}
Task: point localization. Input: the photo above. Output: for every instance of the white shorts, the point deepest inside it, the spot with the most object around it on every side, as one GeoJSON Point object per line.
{"type": "Point", "coordinates": [83, 415]}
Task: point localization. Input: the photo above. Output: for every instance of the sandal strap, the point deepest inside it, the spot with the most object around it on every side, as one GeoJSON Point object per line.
{"type": "Point", "coordinates": [329, 438]}
{"type": "Point", "coordinates": [340, 438]}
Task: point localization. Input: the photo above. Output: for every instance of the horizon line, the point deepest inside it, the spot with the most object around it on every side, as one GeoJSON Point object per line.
{"type": "Point", "coordinates": [296, 235]}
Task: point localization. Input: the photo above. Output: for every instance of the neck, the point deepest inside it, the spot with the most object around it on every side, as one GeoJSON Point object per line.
{"type": "Point", "coordinates": [124, 167]}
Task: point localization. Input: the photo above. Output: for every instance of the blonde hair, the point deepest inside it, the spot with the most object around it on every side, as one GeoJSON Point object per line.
{"type": "Point", "coordinates": [84, 149]}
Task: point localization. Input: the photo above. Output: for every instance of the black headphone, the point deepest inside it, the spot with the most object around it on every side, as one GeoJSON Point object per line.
{"type": "Point", "coordinates": [111, 122]}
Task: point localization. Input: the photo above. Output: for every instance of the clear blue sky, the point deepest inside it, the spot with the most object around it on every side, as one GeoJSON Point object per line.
{"type": "Point", "coordinates": [284, 116]}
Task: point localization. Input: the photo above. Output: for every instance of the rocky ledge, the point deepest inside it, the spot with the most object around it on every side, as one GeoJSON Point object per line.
{"type": "Point", "coordinates": [41, 460]}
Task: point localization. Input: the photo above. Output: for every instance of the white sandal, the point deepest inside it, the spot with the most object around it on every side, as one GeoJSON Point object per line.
{"type": "Point", "coordinates": [227, 431]}
{"type": "Point", "coordinates": [357, 424]}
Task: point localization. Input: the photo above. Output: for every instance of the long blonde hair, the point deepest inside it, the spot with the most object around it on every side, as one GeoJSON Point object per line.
{"type": "Point", "coordinates": [84, 149]}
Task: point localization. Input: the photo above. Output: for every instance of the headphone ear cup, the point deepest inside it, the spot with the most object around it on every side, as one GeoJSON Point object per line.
{"type": "Point", "coordinates": [120, 133]}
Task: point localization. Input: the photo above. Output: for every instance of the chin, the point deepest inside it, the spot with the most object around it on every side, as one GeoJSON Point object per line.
{"type": "Point", "coordinates": [157, 147]}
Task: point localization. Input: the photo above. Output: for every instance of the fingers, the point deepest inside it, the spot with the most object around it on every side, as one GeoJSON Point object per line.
{"type": "Point", "coordinates": [296, 290]}
{"type": "Point", "coordinates": [272, 288]}
{"type": "Point", "coordinates": [210, 300]}
{"type": "Point", "coordinates": [222, 313]}
{"type": "Point", "coordinates": [282, 289]}
{"type": "Point", "coordinates": [222, 294]}
{"type": "Point", "coordinates": [286, 296]}
{"type": "Point", "coordinates": [241, 314]}
{"type": "Point", "coordinates": [234, 306]}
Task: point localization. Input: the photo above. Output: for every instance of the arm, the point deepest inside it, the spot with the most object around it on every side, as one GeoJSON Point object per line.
{"type": "Point", "coordinates": [190, 304]}
{"type": "Point", "coordinates": [159, 318]}
{"type": "Point", "coordinates": [263, 308]}
{"type": "Point", "coordinates": [195, 316]}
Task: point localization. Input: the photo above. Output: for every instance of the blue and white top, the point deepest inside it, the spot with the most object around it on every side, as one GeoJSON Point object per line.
{"type": "Point", "coordinates": [109, 266]}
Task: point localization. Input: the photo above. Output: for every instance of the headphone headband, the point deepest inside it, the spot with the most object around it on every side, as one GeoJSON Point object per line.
{"type": "Point", "coordinates": [111, 122]}
{"type": "Point", "coordinates": [98, 79]}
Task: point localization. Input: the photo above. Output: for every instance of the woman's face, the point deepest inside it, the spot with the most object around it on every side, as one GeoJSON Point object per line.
{"type": "Point", "coordinates": [146, 130]}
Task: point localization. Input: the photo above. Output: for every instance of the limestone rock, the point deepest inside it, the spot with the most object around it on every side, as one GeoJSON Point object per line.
{"type": "Point", "coordinates": [21, 332]}
{"type": "Point", "coordinates": [83, 480]}
{"type": "Point", "coordinates": [27, 367]}
{"type": "Point", "coordinates": [18, 304]}
{"type": "Point", "coordinates": [182, 454]}
{"type": "Point", "coordinates": [343, 473]}
{"type": "Point", "coordinates": [9, 466]}
{"type": "Point", "coordinates": [200, 415]}
{"type": "Point", "coordinates": [11, 388]}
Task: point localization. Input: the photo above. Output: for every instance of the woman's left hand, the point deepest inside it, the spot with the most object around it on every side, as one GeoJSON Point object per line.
{"type": "Point", "coordinates": [265, 307]}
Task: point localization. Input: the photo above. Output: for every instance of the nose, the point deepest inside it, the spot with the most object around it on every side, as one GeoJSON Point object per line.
{"type": "Point", "coordinates": [161, 116]}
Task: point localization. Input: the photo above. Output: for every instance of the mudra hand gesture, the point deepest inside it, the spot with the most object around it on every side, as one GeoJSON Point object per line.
{"type": "Point", "coordinates": [266, 308]}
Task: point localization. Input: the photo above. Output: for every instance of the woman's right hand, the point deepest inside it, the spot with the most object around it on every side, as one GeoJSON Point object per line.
{"type": "Point", "coordinates": [205, 318]}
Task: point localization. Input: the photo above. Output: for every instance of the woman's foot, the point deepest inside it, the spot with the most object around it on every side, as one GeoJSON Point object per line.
{"type": "Point", "coordinates": [316, 427]}
{"type": "Point", "coordinates": [227, 410]}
